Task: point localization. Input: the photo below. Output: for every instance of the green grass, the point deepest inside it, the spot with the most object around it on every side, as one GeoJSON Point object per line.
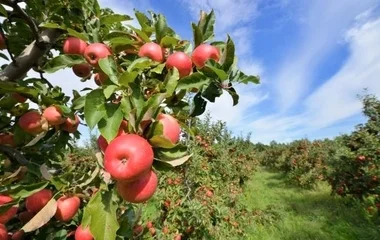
{"type": "Point", "coordinates": [289, 213]}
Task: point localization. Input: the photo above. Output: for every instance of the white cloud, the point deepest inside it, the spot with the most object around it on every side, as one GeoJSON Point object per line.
{"type": "Point", "coordinates": [333, 108]}
{"type": "Point", "coordinates": [321, 29]}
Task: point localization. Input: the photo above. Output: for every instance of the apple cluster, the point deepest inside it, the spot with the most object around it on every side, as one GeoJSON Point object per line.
{"type": "Point", "coordinates": [129, 157]}
{"type": "Point", "coordinates": [67, 207]}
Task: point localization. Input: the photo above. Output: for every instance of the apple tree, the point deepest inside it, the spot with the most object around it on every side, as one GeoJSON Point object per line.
{"type": "Point", "coordinates": [150, 84]}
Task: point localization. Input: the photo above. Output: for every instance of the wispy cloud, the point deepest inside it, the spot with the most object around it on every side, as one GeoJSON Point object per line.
{"type": "Point", "coordinates": [322, 28]}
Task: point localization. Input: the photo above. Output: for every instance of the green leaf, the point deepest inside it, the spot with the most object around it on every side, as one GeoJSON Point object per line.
{"type": "Point", "coordinates": [140, 33]}
{"type": "Point", "coordinates": [137, 99]}
{"type": "Point", "coordinates": [177, 162]}
{"type": "Point", "coordinates": [158, 69]}
{"type": "Point", "coordinates": [6, 87]}
{"type": "Point", "coordinates": [141, 64]}
{"type": "Point", "coordinates": [6, 206]}
{"type": "Point", "coordinates": [171, 81]}
{"type": "Point", "coordinates": [213, 66]}
{"type": "Point", "coordinates": [212, 91]}
{"type": "Point", "coordinates": [100, 216]}
{"type": "Point", "coordinates": [3, 11]}
{"type": "Point", "coordinates": [109, 67]}
{"type": "Point", "coordinates": [79, 103]}
{"type": "Point", "coordinates": [206, 25]}
{"type": "Point", "coordinates": [195, 80]}
{"type": "Point", "coordinates": [176, 152]}
{"type": "Point", "coordinates": [94, 108]}
{"type": "Point", "coordinates": [199, 106]}
{"type": "Point", "coordinates": [234, 95]}
{"type": "Point", "coordinates": [76, 34]}
{"type": "Point", "coordinates": [157, 138]}
{"type": "Point", "coordinates": [228, 56]}
{"type": "Point", "coordinates": [144, 22]}
{"type": "Point", "coordinates": [197, 35]}
{"type": "Point", "coordinates": [248, 79]}
{"type": "Point", "coordinates": [113, 18]}
{"type": "Point", "coordinates": [63, 61]}
{"type": "Point", "coordinates": [52, 25]}
{"type": "Point", "coordinates": [109, 90]}
{"type": "Point", "coordinates": [162, 28]}
{"type": "Point", "coordinates": [151, 106]}
{"type": "Point", "coordinates": [120, 41]}
{"type": "Point", "coordinates": [110, 123]}
{"type": "Point", "coordinates": [23, 191]}
{"type": "Point", "coordinates": [127, 77]}
{"type": "Point", "coordinates": [169, 42]}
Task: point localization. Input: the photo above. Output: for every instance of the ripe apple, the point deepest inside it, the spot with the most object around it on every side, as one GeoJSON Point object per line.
{"type": "Point", "coordinates": [153, 51]}
{"type": "Point", "coordinates": [10, 213]}
{"type": "Point", "coordinates": [361, 158]}
{"type": "Point", "coordinates": [149, 224]}
{"type": "Point", "coordinates": [83, 233]}
{"type": "Point", "coordinates": [178, 237]}
{"type": "Point", "coordinates": [35, 202]}
{"type": "Point", "coordinates": [71, 125]}
{"type": "Point", "coordinates": [171, 127]}
{"type": "Point", "coordinates": [209, 193]}
{"type": "Point", "coordinates": [181, 61]}
{"type": "Point", "coordinates": [3, 232]}
{"type": "Point", "coordinates": [73, 45]}
{"type": "Point", "coordinates": [100, 78]}
{"type": "Point", "coordinates": [19, 235]}
{"type": "Point", "coordinates": [25, 216]}
{"type": "Point", "coordinates": [102, 142]}
{"type": "Point", "coordinates": [82, 70]}
{"type": "Point", "coordinates": [152, 231]}
{"type": "Point", "coordinates": [137, 229]}
{"type": "Point", "coordinates": [7, 139]}
{"type": "Point", "coordinates": [204, 52]}
{"type": "Point", "coordinates": [128, 157]}
{"type": "Point", "coordinates": [67, 207]}
{"type": "Point", "coordinates": [96, 51]}
{"type": "Point", "coordinates": [31, 122]}
{"type": "Point", "coordinates": [18, 97]}
{"type": "Point", "coordinates": [140, 190]}
{"type": "Point", "coordinates": [53, 115]}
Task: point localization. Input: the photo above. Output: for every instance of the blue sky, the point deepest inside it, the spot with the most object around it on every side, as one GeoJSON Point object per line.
{"type": "Point", "coordinates": [313, 58]}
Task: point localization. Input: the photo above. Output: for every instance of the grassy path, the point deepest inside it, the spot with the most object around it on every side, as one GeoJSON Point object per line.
{"type": "Point", "coordinates": [286, 213]}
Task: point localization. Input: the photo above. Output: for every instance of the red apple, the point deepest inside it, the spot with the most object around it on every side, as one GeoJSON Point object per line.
{"type": "Point", "coordinates": [10, 213]}
{"type": "Point", "coordinates": [100, 78]}
{"type": "Point", "coordinates": [7, 139]}
{"type": "Point", "coordinates": [128, 157]}
{"type": "Point", "coordinates": [171, 127]}
{"type": "Point", "coordinates": [74, 45]}
{"type": "Point", "coordinates": [83, 233]}
{"type": "Point", "coordinates": [3, 232]}
{"type": "Point", "coordinates": [137, 229]}
{"type": "Point", "coordinates": [102, 142]}
{"type": "Point", "coordinates": [18, 97]}
{"type": "Point", "coordinates": [71, 125]}
{"type": "Point", "coordinates": [149, 224]}
{"type": "Point", "coordinates": [96, 51]}
{"type": "Point", "coordinates": [82, 70]}
{"type": "Point", "coordinates": [25, 216]}
{"type": "Point", "coordinates": [35, 202]}
{"type": "Point", "coordinates": [152, 231]}
{"type": "Point", "coordinates": [2, 43]}
{"type": "Point", "coordinates": [204, 52]}
{"type": "Point", "coordinates": [67, 207]}
{"type": "Point", "coordinates": [178, 237]}
{"type": "Point", "coordinates": [53, 115]}
{"type": "Point", "coordinates": [181, 61]}
{"type": "Point", "coordinates": [19, 235]}
{"type": "Point", "coordinates": [31, 122]}
{"type": "Point", "coordinates": [140, 190]}
{"type": "Point", "coordinates": [153, 51]}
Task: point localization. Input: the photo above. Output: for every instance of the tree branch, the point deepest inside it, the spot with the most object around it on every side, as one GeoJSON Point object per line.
{"type": "Point", "coordinates": [30, 55]}
{"type": "Point", "coordinates": [13, 155]}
